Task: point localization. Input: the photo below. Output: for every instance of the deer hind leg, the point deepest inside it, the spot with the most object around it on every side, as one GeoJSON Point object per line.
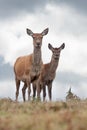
{"type": "Point", "coordinates": [50, 91]}
{"type": "Point", "coordinates": [23, 91]}
{"type": "Point", "coordinates": [17, 88]}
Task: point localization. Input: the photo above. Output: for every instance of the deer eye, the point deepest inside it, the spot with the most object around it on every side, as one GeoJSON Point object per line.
{"type": "Point", "coordinates": [33, 37]}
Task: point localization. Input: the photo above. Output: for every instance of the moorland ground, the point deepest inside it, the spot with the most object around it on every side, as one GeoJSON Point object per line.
{"type": "Point", "coordinates": [34, 115]}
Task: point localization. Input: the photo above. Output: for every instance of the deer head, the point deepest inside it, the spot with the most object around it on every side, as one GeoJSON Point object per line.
{"type": "Point", "coordinates": [37, 37]}
{"type": "Point", "coordinates": [56, 51]}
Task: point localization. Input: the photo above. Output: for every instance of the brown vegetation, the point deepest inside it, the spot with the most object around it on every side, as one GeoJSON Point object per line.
{"type": "Point", "coordinates": [71, 96]}
{"type": "Point", "coordinates": [43, 115]}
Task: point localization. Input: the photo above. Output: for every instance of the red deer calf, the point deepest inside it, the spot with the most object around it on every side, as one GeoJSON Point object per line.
{"type": "Point", "coordinates": [27, 68]}
{"type": "Point", "coordinates": [48, 73]}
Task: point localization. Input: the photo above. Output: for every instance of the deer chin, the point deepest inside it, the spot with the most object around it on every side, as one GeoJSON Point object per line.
{"type": "Point", "coordinates": [38, 46]}
{"type": "Point", "coordinates": [56, 58]}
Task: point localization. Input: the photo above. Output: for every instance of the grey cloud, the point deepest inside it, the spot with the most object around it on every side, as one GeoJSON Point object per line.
{"type": "Point", "coordinates": [14, 7]}
{"type": "Point", "coordinates": [70, 78]}
{"type": "Point", "coordinates": [11, 8]}
{"type": "Point", "coordinates": [6, 70]}
{"type": "Point", "coordinates": [79, 5]}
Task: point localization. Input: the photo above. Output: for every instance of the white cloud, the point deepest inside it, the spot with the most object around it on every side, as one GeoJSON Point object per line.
{"type": "Point", "coordinates": [8, 89]}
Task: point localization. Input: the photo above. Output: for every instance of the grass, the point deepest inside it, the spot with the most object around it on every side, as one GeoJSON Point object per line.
{"type": "Point", "coordinates": [71, 115]}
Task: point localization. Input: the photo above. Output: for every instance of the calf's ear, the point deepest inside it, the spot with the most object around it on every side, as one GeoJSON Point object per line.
{"type": "Point", "coordinates": [50, 46]}
{"type": "Point", "coordinates": [62, 46]}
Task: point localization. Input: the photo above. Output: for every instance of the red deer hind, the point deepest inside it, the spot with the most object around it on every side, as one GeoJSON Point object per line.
{"type": "Point", "coordinates": [48, 73]}
{"type": "Point", "coordinates": [27, 68]}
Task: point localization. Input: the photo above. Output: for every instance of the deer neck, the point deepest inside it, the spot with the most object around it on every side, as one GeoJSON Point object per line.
{"type": "Point", "coordinates": [53, 65]}
{"type": "Point", "coordinates": [37, 57]}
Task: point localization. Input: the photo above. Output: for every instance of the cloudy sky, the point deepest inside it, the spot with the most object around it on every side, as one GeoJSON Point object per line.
{"type": "Point", "coordinates": [67, 22]}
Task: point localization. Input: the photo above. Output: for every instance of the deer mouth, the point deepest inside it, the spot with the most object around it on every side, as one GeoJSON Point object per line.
{"type": "Point", "coordinates": [56, 57]}
{"type": "Point", "coordinates": [38, 46]}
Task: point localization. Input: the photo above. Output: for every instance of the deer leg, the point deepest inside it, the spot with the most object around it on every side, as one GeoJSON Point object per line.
{"type": "Point", "coordinates": [34, 90]}
{"type": "Point", "coordinates": [44, 92]}
{"type": "Point", "coordinates": [17, 88]}
{"type": "Point", "coordinates": [50, 91]}
{"type": "Point", "coordinates": [29, 91]}
{"type": "Point", "coordinates": [38, 87]}
{"type": "Point", "coordinates": [29, 88]}
{"type": "Point", "coordinates": [23, 91]}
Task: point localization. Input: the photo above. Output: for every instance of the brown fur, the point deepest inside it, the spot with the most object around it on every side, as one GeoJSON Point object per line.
{"type": "Point", "coordinates": [27, 68]}
{"type": "Point", "coordinates": [48, 73]}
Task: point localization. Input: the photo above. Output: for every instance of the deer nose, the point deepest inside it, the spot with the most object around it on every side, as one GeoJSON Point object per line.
{"type": "Point", "coordinates": [38, 43]}
{"type": "Point", "coordinates": [56, 55]}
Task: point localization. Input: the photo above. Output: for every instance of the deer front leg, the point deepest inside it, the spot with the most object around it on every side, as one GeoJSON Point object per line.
{"type": "Point", "coordinates": [17, 88]}
{"type": "Point", "coordinates": [44, 92]}
{"type": "Point", "coordinates": [29, 88]}
{"type": "Point", "coordinates": [38, 87]}
{"type": "Point", "coordinates": [50, 90]}
{"type": "Point", "coordinates": [34, 90]}
{"type": "Point", "coordinates": [23, 91]}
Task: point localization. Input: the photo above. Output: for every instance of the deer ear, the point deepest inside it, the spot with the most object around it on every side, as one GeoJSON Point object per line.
{"type": "Point", "coordinates": [45, 32]}
{"type": "Point", "coordinates": [62, 46]}
{"type": "Point", "coordinates": [29, 32]}
{"type": "Point", "coordinates": [50, 46]}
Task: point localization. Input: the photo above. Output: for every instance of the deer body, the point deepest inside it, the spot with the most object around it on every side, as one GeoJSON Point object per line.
{"type": "Point", "coordinates": [48, 72]}
{"type": "Point", "coordinates": [27, 68]}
